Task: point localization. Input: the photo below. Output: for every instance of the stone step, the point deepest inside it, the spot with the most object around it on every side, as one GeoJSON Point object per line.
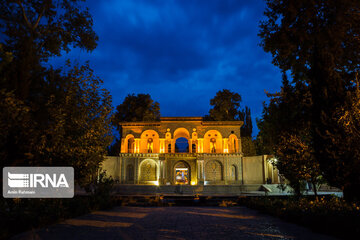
{"type": "Point", "coordinates": [128, 189]}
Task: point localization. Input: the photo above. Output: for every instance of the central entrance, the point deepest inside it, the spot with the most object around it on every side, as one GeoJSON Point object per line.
{"type": "Point", "coordinates": [182, 173]}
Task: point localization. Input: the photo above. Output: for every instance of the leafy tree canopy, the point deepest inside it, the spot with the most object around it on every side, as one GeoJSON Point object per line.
{"type": "Point", "coordinates": [226, 106]}
{"type": "Point", "coordinates": [134, 108]}
{"type": "Point", "coordinates": [137, 108]}
{"type": "Point", "coordinates": [318, 42]}
{"type": "Point", "coordinates": [50, 116]}
{"type": "Point", "coordinates": [33, 31]}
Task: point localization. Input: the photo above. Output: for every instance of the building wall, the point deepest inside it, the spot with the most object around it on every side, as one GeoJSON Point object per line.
{"type": "Point", "coordinates": [253, 169]}
{"type": "Point", "coordinates": [204, 169]}
{"type": "Point", "coordinates": [112, 167]}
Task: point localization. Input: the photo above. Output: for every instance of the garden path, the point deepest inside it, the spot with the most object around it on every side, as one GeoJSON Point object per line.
{"type": "Point", "coordinates": [174, 223]}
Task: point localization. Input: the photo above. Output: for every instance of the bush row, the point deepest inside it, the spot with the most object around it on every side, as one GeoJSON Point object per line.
{"type": "Point", "coordinates": [330, 215]}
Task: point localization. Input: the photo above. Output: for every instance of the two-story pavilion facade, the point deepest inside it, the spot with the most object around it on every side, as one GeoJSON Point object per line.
{"type": "Point", "coordinates": [149, 154]}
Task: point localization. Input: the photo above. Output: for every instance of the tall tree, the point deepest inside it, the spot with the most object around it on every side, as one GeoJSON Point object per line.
{"type": "Point", "coordinates": [50, 116]}
{"type": "Point", "coordinates": [137, 108]}
{"type": "Point", "coordinates": [295, 161]}
{"type": "Point", "coordinates": [35, 30]}
{"type": "Point", "coordinates": [348, 117]}
{"type": "Point", "coordinates": [318, 41]}
{"type": "Point", "coordinates": [77, 123]}
{"type": "Point", "coordinates": [134, 108]}
{"type": "Point", "coordinates": [226, 106]}
{"type": "Point", "coordinates": [247, 142]}
{"type": "Point", "coordinates": [285, 133]}
{"type": "Point", "coordinates": [247, 127]}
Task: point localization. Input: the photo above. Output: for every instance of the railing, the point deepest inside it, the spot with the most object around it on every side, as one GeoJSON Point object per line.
{"type": "Point", "coordinates": [179, 154]}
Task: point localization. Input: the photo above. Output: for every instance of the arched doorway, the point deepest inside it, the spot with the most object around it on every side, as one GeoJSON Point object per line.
{"type": "Point", "coordinates": [182, 173]}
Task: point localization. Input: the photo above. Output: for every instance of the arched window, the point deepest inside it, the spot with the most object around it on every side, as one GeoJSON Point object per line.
{"type": "Point", "coordinates": [169, 148]}
{"type": "Point", "coordinates": [233, 144]}
{"type": "Point", "coordinates": [131, 143]}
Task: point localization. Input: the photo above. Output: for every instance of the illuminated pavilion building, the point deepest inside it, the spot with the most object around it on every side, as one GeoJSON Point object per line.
{"type": "Point", "coordinates": [149, 154]}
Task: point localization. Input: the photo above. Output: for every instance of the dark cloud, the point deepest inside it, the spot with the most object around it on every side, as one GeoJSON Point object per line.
{"type": "Point", "coordinates": [181, 52]}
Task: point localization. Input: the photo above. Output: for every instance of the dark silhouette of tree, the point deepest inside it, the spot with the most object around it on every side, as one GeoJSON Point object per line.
{"type": "Point", "coordinates": [317, 41]}
{"type": "Point", "coordinates": [50, 116]}
{"type": "Point", "coordinates": [36, 30]}
{"type": "Point", "coordinates": [226, 107]}
{"type": "Point", "coordinates": [247, 127]}
{"type": "Point", "coordinates": [135, 108]}
{"type": "Point", "coordinates": [348, 118]}
{"type": "Point", "coordinates": [285, 132]}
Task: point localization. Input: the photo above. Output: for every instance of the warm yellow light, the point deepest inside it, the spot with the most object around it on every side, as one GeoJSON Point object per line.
{"type": "Point", "coordinates": [156, 183]}
{"type": "Point", "coordinates": [226, 150]}
{"type": "Point", "coordinates": [193, 183]}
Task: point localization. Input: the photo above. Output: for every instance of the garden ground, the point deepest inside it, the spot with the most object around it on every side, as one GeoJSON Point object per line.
{"type": "Point", "coordinates": [174, 223]}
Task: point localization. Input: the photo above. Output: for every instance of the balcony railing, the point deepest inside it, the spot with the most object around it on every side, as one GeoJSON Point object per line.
{"type": "Point", "coordinates": [179, 155]}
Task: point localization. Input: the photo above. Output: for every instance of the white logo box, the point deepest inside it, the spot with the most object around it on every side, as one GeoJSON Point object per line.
{"type": "Point", "coordinates": [38, 182]}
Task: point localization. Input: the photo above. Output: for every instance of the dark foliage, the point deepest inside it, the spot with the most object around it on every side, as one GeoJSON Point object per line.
{"type": "Point", "coordinates": [318, 42]}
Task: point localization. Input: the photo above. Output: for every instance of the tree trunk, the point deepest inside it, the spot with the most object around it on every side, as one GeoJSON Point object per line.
{"type": "Point", "coordinates": [315, 190]}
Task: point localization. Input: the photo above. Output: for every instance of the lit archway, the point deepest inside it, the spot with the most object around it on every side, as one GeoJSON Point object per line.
{"type": "Point", "coordinates": [181, 145]}
{"type": "Point", "coordinates": [181, 140]}
{"type": "Point", "coordinates": [182, 173]}
{"type": "Point", "coordinates": [213, 142]}
{"type": "Point", "coordinates": [149, 142]}
{"type": "Point", "coordinates": [129, 143]}
{"type": "Point", "coordinates": [233, 144]}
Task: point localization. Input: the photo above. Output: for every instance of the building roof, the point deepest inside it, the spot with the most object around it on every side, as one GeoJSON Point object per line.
{"type": "Point", "coordinates": [183, 119]}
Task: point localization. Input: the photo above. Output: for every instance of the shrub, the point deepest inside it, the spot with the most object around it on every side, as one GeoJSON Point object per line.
{"type": "Point", "coordinates": [330, 215]}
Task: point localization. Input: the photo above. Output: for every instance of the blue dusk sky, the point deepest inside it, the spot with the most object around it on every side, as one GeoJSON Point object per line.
{"type": "Point", "coordinates": [181, 52]}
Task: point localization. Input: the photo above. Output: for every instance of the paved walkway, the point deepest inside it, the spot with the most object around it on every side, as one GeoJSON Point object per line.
{"type": "Point", "coordinates": [174, 223]}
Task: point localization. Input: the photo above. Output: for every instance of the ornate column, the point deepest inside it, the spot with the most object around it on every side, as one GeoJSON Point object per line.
{"type": "Point", "coordinates": [200, 171]}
